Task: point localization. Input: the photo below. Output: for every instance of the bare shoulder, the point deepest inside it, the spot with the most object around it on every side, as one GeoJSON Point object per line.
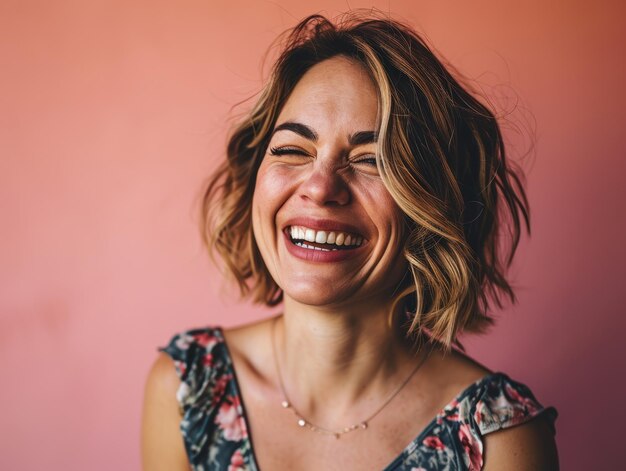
{"type": "Point", "coordinates": [248, 336]}
{"type": "Point", "coordinates": [250, 346]}
{"type": "Point", "coordinates": [451, 372]}
{"type": "Point", "coordinates": [162, 377]}
{"type": "Point", "coordinates": [162, 445]}
{"type": "Point", "coordinates": [526, 447]}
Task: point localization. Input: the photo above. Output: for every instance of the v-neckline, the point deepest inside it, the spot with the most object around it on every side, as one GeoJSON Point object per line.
{"type": "Point", "coordinates": [395, 462]}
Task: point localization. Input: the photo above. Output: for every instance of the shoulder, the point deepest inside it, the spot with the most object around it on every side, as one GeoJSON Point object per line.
{"type": "Point", "coordinates": [528, 446]}
{"type": "Point", "coordinates": [451, 372]}
{"type": "Point", "coordinates": [213, 425]}
{"type": "Point", "coordinates": [189, 342]}
{"type": "Point", "coordinates": [500, 403]}
{"type": "Point", "coordinates": [494, 420]}
{"type": "Point", "coordinates": [503, 420]}
{"type": "Point", "coordinates": [162, 377]}
{"type": "Point", "coordinates": [206, 359]}
{"type": "Point", "coordinates": [491, 400]}
{"type": "Point", "coordinates": [188, 380]}
{"type": "Point", "coordinates": [251, 351]}
{"type": "Point", "coordinates": [161, 443]}
{"type": "Point", "coordinates": [516, 430]}
{"type": "Point", "coordinates": [201, 362]}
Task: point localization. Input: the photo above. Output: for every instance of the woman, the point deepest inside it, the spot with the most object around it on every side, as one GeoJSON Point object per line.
{"type": "Point", "coordinates": [366, 191]}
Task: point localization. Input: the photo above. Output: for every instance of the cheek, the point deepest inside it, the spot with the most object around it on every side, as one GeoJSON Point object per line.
{"type": "Point", "coordinates": [390, 222]}
{"type": "Point", "coordinates": [271, 189]}
{"type": "Point", "coordinates": [383, 208]}
{"type": "Point", "coordinates": [270, 193]}
{"type": "Point", "coordinates": [269, 183]}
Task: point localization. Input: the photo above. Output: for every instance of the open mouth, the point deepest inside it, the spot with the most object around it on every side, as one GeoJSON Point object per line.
{"type": "Point", "coordinates": [326, 241]}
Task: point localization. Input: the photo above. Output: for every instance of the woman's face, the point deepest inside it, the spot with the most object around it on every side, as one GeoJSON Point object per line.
{"type": "Point", "coordinates": [326, 226]}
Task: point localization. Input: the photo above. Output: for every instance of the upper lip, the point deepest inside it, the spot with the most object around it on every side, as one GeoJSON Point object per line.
{"type": "Point", "coordinates": [324, 225]}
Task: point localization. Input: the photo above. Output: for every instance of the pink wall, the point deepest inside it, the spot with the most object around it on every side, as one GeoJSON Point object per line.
{"type": "Point", "coordinates": [112, 113]}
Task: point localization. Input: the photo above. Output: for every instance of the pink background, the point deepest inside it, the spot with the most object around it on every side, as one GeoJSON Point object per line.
{"type": "Point", "coordinates": [113, 112]}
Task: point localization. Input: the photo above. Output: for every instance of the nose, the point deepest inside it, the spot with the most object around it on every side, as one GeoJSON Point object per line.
{"type": "Point", "coordinates": [325, 186]}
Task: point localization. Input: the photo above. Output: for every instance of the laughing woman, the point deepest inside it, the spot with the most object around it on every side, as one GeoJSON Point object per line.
{"type": "Point", "coordinates": [366, 192]}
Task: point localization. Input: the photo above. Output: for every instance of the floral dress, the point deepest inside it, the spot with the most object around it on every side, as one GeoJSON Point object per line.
{"type": "Point", "coordinates": [215, 430]}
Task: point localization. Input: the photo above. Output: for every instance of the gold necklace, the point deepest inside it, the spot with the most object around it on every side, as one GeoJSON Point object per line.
{"type": "Point", "coordinates": [304, 423]}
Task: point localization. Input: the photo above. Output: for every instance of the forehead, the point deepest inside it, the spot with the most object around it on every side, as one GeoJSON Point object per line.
{"type": "Point", "coordinates": [336, 94]}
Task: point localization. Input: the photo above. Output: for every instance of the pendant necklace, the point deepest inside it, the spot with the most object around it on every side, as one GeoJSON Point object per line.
{"type": "Point", "coordinates": [304, 423]}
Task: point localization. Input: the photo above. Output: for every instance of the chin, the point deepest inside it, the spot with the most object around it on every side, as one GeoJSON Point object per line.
{"type": "Point", "coordinates": [319, 294]}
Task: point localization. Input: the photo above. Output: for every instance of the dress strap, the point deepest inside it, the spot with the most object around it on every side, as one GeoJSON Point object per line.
{"type": "Point", "coordinates": [200, 365]}
{"type": "Point", "coordinates": [213, 425]}
{"type": "Point", "coordinates": [503, 403]}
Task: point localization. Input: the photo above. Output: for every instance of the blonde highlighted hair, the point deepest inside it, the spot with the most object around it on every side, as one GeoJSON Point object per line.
{"type": "Point", "coordinates": [441, 156]}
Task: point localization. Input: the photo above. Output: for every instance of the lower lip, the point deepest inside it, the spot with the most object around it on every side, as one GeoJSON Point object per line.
{"type": "Point", "coordinates": [320, 256]}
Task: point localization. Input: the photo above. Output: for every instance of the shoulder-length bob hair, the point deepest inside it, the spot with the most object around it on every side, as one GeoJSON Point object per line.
{"type": "Point", "coordinates": [440, 155]}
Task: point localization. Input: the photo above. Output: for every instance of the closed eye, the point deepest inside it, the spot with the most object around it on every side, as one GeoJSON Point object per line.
{"type": "Point", "coordinates": [287, 151]}
{"type": "Point", "coordinates": [365, 163]}
{"type": "Point", "coordinates": [367, 160]}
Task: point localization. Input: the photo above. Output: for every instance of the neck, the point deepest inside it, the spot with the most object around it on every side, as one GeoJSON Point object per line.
{"type": "Point", "coordinates": [337, 365]}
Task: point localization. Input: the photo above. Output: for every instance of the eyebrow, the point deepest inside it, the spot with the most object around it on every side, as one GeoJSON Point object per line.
{"type": "Point", "coordinates": [356, 139]}
{"type": "Point", "coordinates": [299, 128]}
{"type": "Point", "coordinates": [363, 137]}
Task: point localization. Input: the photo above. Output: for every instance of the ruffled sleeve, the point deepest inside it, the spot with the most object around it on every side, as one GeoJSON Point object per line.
{"type": "Point", "coordinates": [212, 425]}
{"type": "Point", "coordinates": [502, 403]}
{"type": "Point", "coordinates": [199, 366]}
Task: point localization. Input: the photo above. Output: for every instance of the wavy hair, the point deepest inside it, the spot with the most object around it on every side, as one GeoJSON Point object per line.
{"type": "Point", "coordinates": [440, 154]}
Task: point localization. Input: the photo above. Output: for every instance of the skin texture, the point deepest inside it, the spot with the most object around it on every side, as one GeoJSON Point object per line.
{"type": "Point", "coordinates": [329, 178]}
{"type": "Point", "coordinates": [339, 356]}
{"type": "Point", "coordinates": [526, 447]}
{"type": "Point", "coordinates": [162, 445]}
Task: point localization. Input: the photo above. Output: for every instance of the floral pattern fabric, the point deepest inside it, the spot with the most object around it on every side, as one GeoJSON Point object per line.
{"type": "Point", "coordinates": [215, 431]}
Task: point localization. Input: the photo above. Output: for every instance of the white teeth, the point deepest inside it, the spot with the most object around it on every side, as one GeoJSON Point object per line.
{"type": "Point", "coordinates": [300, 233]}
{"type": "Point", "coordinates": [311, 247]}
{"type": "Point", "coordinates": [320, 237]}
